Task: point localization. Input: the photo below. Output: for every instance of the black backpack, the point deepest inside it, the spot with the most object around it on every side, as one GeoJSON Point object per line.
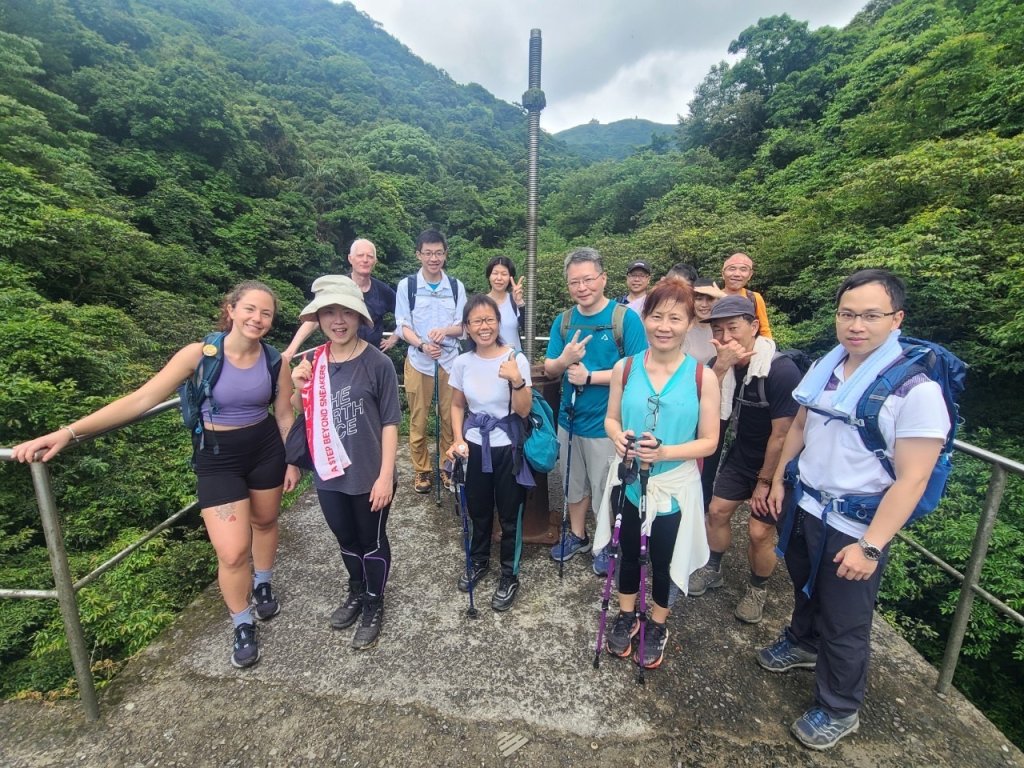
{"type": "Point", "coordinates": [803, 363]}
{"type": "Point", "coordinates": [410, 284]}
{"type": "Point", "coordinates": [199, 387]}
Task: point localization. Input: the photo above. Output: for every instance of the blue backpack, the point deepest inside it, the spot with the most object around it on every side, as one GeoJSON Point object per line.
{"type": "Point", "coordinates": [541, 444]}
{"type": "Point", "coordinates": [198, 387]}
{"type": "Point", "coordinates": [949, 372]}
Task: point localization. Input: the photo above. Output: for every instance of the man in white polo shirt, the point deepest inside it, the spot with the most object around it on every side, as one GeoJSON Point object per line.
{"type": "Point", "coordinates": [836, 566]}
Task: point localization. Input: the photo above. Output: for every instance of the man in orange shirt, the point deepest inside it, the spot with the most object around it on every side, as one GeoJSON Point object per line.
{"type": "Point", "coordinates": [736, 273]}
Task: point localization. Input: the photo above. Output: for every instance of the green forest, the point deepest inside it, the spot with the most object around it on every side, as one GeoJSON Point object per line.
{"type": "Point", "coordinates": [155, 152]}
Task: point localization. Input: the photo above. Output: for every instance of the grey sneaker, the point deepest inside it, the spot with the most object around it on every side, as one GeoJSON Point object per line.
{"type": "Point", "coordinates": [783, 655]}
{"type": "Point", "coordinates": [620, 637]}
{"type": "Point", "coordinates": [817, 729]}
{"type": "Point", "coordinates": [505, 594]}
{"type": "Point", "coordinates": [703, 579]}
{"type": "Point", "coordinates": [655, 640]}
{"type": "Point", "coordinates": [264, 603]}
{"type": "Point", "coordinates": [368, 630]}
{"type": "Point", "coordinates": [479, 571]}
{"type": "Point", "coordinates": [750, 608]}
{"type": "Point", "coordinates": [246, 650]}
{"type": "Point", "coordinates": [347, 613]}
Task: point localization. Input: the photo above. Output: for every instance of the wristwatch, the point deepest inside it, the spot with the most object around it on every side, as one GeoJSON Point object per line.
{"type": "Point", "coordinates": [871, 552]}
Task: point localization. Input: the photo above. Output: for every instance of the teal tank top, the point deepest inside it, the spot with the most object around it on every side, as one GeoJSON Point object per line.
{"type": "Point", "coordinates": [670, 415]}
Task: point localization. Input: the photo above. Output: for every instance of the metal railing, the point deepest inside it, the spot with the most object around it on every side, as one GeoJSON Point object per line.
{"type": "Point", "coordinates": [65, 589]}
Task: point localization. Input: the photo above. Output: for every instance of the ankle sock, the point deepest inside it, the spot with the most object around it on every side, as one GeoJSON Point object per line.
{"type": "Point", "coordinates": [259, 577]}
{"type": "Point", "coordinates": [242, 617]}
{"type": "Point", "coordinates": [715, 561]}
{"type": "Point", "coordinates": [758, 581]}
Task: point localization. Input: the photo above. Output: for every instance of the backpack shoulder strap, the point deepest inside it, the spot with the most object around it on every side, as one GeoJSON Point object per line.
{"type": "Point", "coordinates": [626, 368]}
{"type": "Point", "coordinates": [699, 376]}
{"type": "Point", "coordinates": [566, 316]}
{"type": "Point", "coordinates": [454, 283]}
{"type": "Point", "coordinates": [618, 322]}
{"type": "Point", "coordinates": [410, 287]}
{"type": "Point", "coordinates": [208, 370]}
{"type": "Point", "coordinates": [273, 358]}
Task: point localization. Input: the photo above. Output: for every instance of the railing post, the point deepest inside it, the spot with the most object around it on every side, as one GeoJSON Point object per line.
{"type": "Point", "coordinates": [65, 588]}
{"type": "Point", "coordinates": [972, 576]}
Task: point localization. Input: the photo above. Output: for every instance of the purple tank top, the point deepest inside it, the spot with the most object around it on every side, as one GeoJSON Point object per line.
{"type": "Point", "coordinates": [241, 394]}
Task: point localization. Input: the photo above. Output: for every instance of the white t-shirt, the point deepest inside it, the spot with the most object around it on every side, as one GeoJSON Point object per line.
{"type": "Point", "coordinates": [698, 343]}
{"type": "Point", "coordinates": [485, 392]}
{"type": "Point", "coordinates": [508, 323]}
{"type": "Point", "coordinates": [835, 460]}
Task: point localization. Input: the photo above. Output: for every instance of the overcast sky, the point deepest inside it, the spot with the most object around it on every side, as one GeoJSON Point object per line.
{"type": "Point", "coordinates": [604, 59]}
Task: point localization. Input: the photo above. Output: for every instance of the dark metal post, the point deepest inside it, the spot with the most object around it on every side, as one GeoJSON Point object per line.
{"type": "Point", "coordinates": [65, 588]}
{"type": "Point", "coordinates": [534, 102]}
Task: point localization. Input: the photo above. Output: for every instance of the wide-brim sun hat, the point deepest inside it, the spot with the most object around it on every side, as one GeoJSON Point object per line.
{"type": "Point", "coordinates": [335, 289]}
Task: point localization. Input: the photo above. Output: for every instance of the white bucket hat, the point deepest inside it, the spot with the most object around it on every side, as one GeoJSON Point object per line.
{"type": "Point", "coordinates": [335, 289]}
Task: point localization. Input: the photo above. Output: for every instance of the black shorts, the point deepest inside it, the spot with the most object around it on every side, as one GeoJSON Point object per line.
{"type": "Point", "coordinates": [736, 482]}
{"type": "Point", "coordinates": [237, 461]}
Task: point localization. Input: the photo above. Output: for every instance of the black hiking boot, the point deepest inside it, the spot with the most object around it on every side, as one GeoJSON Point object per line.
{"type": "Point", "coordinates": [369, 628]}
{"type": "Point", "coordinates": [347, 613]}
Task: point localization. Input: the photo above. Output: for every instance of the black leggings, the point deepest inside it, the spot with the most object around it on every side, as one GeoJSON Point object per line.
{"type": "Point", "coordinates": [484, 493]}
{"type": "Point", "coordinates": [362, 537]}
{"type": "Point", "coordinates": [660, 545]}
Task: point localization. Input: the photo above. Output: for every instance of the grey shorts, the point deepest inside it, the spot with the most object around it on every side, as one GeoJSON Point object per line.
{"type": "Point", "coordinates": [588, 466]}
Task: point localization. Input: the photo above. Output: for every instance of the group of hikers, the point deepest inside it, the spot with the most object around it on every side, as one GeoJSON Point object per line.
{"type": "Point", "coordinates": [651, 383]}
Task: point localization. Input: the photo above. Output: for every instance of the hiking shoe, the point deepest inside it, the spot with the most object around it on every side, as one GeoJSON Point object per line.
{"type": "Point", "coordinates": [784, 655]}
{"type": "Point", "coordinates": [421, 483]}
{"type": "Point", "coordinates": [574, 545]}
{"type": "Point", "coordinates": [620, 637]}
{"type": "Point", "coordinates": [347, 613]}
{"type": "Point", "coordinates": [817, 729]}
{"type": "Point", "coordinates": [750, 608]}
{"type": "Point", "coordinates": [479, 571]}
{"type": "Point", "coordinates": [505, 594]}
{"type": "Point", "coordinates": [369, 628]}
{"type": "Point", "coordinates": [703, 579]}
{"type": "Point", "coordinates": [601, 561]}
{"type": "Point", "coordinates": [446, 480]}
{"type": "Point", "coordinates": [246, 650]}
{"type": "Point", "coordinates": [655, 639]}
{"type": "Point", "coordinates": [264, 605]}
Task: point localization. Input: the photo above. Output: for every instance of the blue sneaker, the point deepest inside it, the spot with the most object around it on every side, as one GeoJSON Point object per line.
{"type": "Point", "coordinates": [246, 650]}
{"type": "Point", "coordinates": [601, 561]}
{"type": "Point", "coordinates": [783, 655]}
{"type": "Point", "coordinates": [574, 545]}
{"type": "Point", "coordinates": [817, 729]}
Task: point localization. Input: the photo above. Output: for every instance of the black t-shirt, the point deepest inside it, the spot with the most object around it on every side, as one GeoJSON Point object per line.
{"type": "Point", "coordinates": [380, 300]}
{"type": "Point", "coordinates": [754, 425]}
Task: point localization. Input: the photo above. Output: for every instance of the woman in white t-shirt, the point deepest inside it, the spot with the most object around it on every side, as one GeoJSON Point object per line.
{"type": "Point", "coordinates": [507, 294]}
{"type": "Point", "coordinates": [698, 337]}
{"type": "Point", "coordinates": [491, 393]}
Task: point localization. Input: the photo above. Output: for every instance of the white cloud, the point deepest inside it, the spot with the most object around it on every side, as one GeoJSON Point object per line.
{"type": "Point", "coordinates": [601, 58]}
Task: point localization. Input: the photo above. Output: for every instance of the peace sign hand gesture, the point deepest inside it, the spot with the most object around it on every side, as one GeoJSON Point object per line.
{"type": "Point", "coordinates": [517, 292]}
{"type": "Point", "coordinates": [575, 349]}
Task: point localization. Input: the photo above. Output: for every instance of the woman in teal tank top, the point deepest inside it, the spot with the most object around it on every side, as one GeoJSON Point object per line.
{"type": "Point", "coordinates": [670, 403]}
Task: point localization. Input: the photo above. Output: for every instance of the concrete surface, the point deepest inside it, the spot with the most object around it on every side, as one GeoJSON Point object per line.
{"type": "Point", "coordinates": [441, 689]}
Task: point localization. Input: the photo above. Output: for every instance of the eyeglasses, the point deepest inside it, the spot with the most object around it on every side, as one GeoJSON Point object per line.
{"type": "Point", "coordinates": [653, 408]}
{"type": "Point", "coordinates": [584, 282]}
{"type": "Point", "coordinates": [483, 322]}
{"type": "Point", "coordinates": [869, 318]}
{"type": "Point", "coordinates": [433, 254]}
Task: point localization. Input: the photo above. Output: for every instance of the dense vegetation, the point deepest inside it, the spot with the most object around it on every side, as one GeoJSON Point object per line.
{"type": "Point", "coordinates": [153, 152]}
{"type": "Point", "coordinates": [616, 141]}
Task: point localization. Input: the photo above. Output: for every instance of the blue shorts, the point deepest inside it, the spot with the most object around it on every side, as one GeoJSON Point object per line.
{"type": "Point", "coordinates": [237, 461]}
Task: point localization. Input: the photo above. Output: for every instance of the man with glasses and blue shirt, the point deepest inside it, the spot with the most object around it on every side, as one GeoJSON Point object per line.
{"type": "Point", "coordinates": [431, 326]}
{"type": "Point", "coordinates": [599, 332]}
{"type": "Point", "coordinates": [757, 393]}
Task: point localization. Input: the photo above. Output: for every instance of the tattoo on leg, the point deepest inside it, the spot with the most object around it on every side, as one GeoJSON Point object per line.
{"type": "Point", "coordinates": [226, 512]}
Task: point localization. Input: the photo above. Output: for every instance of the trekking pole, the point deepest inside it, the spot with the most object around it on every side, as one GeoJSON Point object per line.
{"type": "Point", "coordinates": [437, 439]}
{"type": "Point", "coordinates": [627, 474]}
{"type": "Point", "coordinates": [459, 476]}
{"type": "Point", "coordinates": [645, 473]}
{"type": "Point", "coordinates": [565, 496]}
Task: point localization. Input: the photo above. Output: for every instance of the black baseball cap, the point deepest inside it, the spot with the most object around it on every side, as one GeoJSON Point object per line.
{"type": "Point", "coordinates": [731, 306]}
{"type": "Point", "coordinates": [639, 265]}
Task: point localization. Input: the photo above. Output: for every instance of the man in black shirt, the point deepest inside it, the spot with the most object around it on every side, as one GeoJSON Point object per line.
{"type": "Point", "coordinates": [762, 408]}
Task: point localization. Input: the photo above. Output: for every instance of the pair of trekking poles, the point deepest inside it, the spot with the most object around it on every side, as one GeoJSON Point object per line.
{"type": "Point", "coordinates": [629, 471]}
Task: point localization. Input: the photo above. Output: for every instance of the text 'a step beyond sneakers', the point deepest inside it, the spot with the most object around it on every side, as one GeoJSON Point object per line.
{"type": "Point", "coordinates": [246, 650]}
{"type": "Point", "coordinates": [574, 545]}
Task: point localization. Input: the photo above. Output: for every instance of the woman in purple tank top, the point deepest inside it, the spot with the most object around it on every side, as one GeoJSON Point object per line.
{"type": "Point", "coordinates": [240, 468]}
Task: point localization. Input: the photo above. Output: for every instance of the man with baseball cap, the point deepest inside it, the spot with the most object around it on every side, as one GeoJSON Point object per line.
{"type": "Point", "coordinates": [757, 393]}
{"type": "Point", "coordinates": [638, 278]}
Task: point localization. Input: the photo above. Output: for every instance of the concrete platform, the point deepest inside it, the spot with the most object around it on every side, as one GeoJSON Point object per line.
{"type": "Point", "coordinates": [442, 689]}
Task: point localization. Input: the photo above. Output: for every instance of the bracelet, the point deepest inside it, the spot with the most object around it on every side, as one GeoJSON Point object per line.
{"type": "Point", "coordinates": [73, 435]}
{"type": "Point", "coordinates": [516, 389]}
{"type": "Point", "coordinates": [764, 480]}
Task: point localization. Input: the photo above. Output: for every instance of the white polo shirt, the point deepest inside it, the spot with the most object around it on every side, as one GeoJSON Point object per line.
{"type": "Point", "coordinates": [835, 460]}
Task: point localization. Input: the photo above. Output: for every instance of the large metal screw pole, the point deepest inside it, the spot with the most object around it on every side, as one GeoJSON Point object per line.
{"type": "Point", "coordinates": [534, 102]}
